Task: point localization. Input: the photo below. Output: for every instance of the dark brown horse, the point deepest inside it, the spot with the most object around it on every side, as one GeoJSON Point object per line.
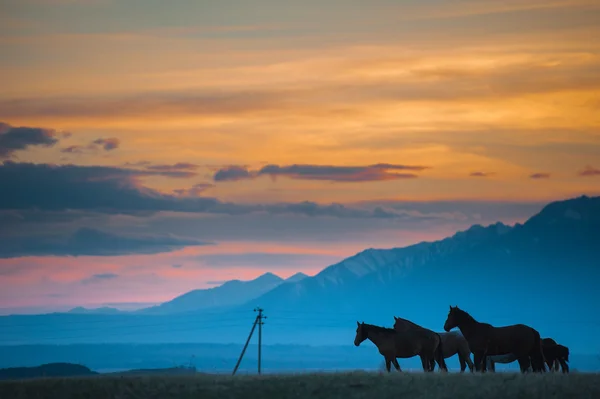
{"type": "Point", "coordinates": [486, 340]}
{"type": "Point", "coordinates": [555, 354]}
{"type": "Point", "coordinates": [392, 345]}
{"type": "Point", "coordinates": [453, 343]}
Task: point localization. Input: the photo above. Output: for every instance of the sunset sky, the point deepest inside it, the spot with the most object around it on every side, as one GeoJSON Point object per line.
{"type": "Point", "coordinates": [150, 147]}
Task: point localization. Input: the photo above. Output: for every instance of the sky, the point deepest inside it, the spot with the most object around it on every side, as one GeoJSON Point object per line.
{"type": "Point", "coordinates": [148, 148]}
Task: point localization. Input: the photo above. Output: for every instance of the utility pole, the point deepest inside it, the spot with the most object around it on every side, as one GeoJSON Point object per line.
{"type": "Point", "coordinates": [258, 320]}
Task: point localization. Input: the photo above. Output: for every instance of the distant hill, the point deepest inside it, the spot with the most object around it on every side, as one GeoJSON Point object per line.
{"type": "Point", "coordinates": [102, 310]}
{"type": "Point", "coordinates": [158, 371]}
{"type": "Point", "coordinates": [231, 293]}
{"type": "Point", "coordinates": [46, 370]}
{"type": "Point", "coordinates": [296, 277]}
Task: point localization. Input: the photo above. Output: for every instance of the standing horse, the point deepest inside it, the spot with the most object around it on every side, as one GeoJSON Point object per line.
{"type": "Point", "coordinates": [504, 359]}
{"type": "Point", "coordinates": [393, 344]}
{"type": "Point", "coordinates": [486, 340]}
{"type": "Point", "coordinates": [555, 354]}
{"type": "Point", "coordinates": [453, 343]}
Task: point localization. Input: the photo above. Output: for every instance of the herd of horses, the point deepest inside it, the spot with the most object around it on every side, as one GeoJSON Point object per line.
{"type": "Point", "coordinates": [489, 344]}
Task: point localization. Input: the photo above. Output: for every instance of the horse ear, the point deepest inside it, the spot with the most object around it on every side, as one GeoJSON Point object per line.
{"type": "Point", "coordinates": [450, 307]}
{"type": "Point", "coordinates": [395, 318]}
{"type": "Point", "coordinates": [358, 324]}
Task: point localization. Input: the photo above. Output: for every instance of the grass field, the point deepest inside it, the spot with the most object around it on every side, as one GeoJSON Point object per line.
{"type": "Point", "coordinates": [339, 385]}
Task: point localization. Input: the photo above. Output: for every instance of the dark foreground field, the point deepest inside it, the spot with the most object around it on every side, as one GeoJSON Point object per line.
{"type": "Point", "coordinates": [342, 385]}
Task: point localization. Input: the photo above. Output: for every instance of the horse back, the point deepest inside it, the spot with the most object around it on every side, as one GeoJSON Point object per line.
{"type": "Point", "coordinates": [511, 339]}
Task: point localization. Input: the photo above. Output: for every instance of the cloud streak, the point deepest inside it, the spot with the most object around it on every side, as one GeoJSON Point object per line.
{"type": "Point", "coordinates": [376, 172]}
{"type": "Point", "coordinates": [417, 82]}
{"type": "Point", "coordinates": [177, 166]}
{"type": "Point", "coordinates": [482, 174]}
{"type": "Point", "coordinates": [97, 278]}
{"type": "Point", "coordinates": [589, 171]}
{"type": "Point", "coordinates": [108, 144]}
{"type": "Point", "coordinates": [539, 175]}
{"type": "Point", "coordinates": [91, 242]}
{"type": "Point", "coordinates": [15, 138]}
{"type": "Point", "coordinates": [115, 190]}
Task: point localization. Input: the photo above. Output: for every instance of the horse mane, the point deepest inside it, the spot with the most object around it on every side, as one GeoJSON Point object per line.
{"type": "Point", "coordinates": [380, 329]}
{"type": "Point", "coordinates": [409, 322]}
{"type": "Point", "coordinates": [465, 315]}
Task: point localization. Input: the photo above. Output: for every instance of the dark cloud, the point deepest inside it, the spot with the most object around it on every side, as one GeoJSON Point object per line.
{"type": "Point", "coordinates": [195, 191]}
{"type": "Point", "coordinates": [111, 190]}
{"type": "Point", "coordinates": [61, 187]}
{"type": "Point", "coordinates": [96, 278]}
{"type": "Point", "coordinates": [232, 173]}
{"type": "Point", "coordinates": [73, 149]}
{"type": "Point", "coordinates": [482, 174]}
{"type": "Point", "coordinates": [139, 163]}
{"type": "Point", "coordinates": [540, 175]}
{"type": "Point", "coordinates": [108, 144]}
{"type": "Point", "coordinates": [589, 171]}
{"type": "Point", "coordinates": [14, 138]}
{"type": "Point", "coordinates": [177, 166]}
{"type": "Point", "coordinates": [92, 242]}
{"type": "Point", "coordinates": [375, 172]}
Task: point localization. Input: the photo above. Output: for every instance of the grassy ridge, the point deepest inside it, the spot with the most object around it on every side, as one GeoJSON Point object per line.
{"type": "Point", "coordinates": [326, 386]}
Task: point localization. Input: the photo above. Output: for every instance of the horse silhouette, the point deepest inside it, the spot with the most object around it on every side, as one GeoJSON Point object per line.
{"type": "Point", "coordinates": [486, 340]}
{"type": "Point", "coordinates": [453, 343]}
{"type": "Point", "coordinates": [393, 344]}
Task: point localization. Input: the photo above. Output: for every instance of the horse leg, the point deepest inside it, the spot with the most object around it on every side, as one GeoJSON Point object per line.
{"type": "Point", "coordinates": [461, 360]}
{"type": "Point", "coordinates": [484, 358]}
{"type": "Point", "coordinates": [477, 360]}
{"type": "Point", "coordinates": [551, 364]}
{"type": "Point", "coordinates": [432, 365]}
{"type": "Point", "coordinates": [491, 364]}
{"type": "Point", "coordinates": [426, 363]}
{"type": "Point", "coordinates": [564, 365]}
{"type": "Point", "coordinates": [388, 364]}
{"type": "Point", "coordinates": [396, 365]}
{"type": "Point", "coordinates": [524, 363]}
{"type": "Point", "coordinates": [468, 360]}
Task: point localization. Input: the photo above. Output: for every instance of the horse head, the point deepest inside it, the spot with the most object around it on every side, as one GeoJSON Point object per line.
{"type": "Point", "coordinates": [361, 334]}
{"type": "Point", "coordinates": [563, 352]}
{"type": "Point", "coordinates": [453, 318]}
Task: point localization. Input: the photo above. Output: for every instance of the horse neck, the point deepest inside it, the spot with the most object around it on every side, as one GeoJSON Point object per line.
{"type": "Point", "coordinates": [377, 337]}
{"type": "Point", "coordinates": [468, 326]}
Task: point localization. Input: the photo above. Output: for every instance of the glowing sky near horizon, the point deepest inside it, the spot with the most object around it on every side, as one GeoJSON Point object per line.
{"type": "Point", "coordinates": [418, 118]}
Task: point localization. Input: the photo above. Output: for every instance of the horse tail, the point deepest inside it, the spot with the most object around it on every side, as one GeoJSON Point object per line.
{"type": "Point", "coordinates": [439, 354]}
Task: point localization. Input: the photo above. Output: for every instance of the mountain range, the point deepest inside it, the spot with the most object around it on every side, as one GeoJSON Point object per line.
{"type": "Point", "coordinates": [230, 293]}
{"type": "Point", "coordinates": [543, 272]}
